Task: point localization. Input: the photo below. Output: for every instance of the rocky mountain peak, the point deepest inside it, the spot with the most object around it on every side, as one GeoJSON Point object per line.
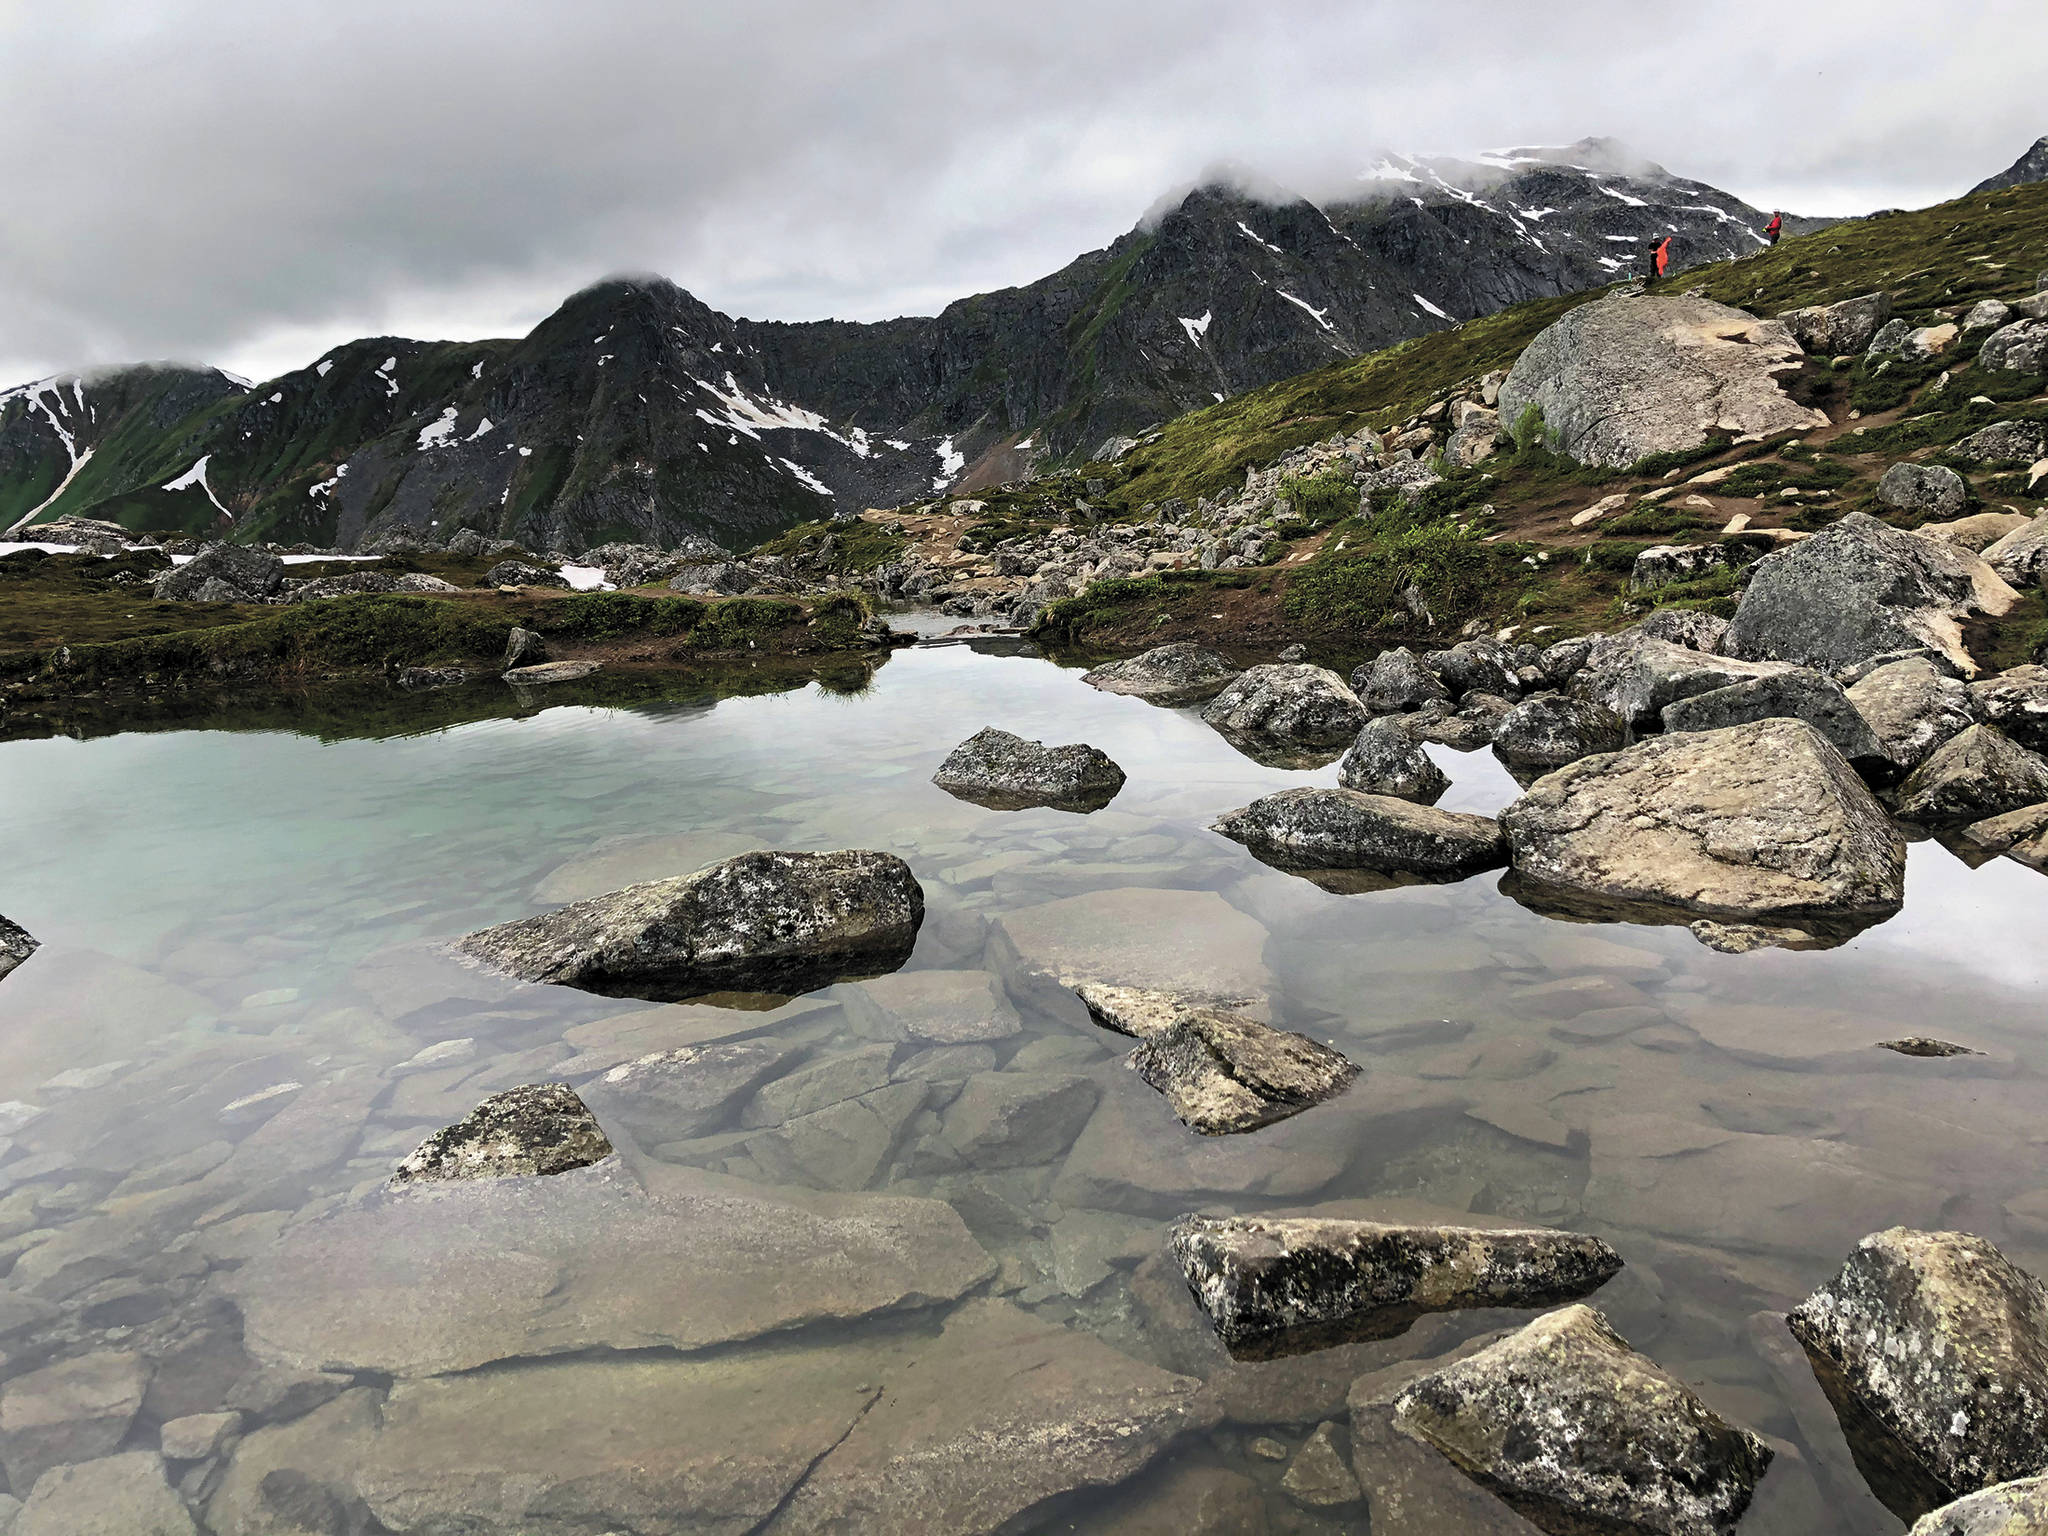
{"type": "Point", "coordinates": [2031, 166]}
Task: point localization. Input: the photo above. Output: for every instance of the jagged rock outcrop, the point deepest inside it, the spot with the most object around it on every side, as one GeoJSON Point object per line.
{"type": "Point", "coordinates": [1548, 730]}
{"type": "Point", "coordinates": [1625, 377]}
{"type": "Point", "coordinates": [1287, 713]}
{"type": "Point", "coordinates": [1838, 330]}
{"type": "Point", "coordinates": [539, 1129]}
{"type": "Point", "coordinates": [1181, 673]}
{"type": "Point", "coordinates": [16, 945]}
{"type": "Point", "coordinates": [1978, 773]}
{"type": "Point", "coordinates": [1580, 1433]}
{"type": "Point", "coordinates": [521, 573]}
{"type": "Point", "coordinates": [2031, 166]}
{"type": "Point", "coordinates": [1799, 694]}
{"type": "Point", "coordinates": [1005, 772]}
{"type": "Point", "coordinates": [1386, 760]}
{"type": "Point", "coordinates": [1933, 1348]}
{"type": "Point", "coordinates": [1309, 829]}
{"type": "Point", "coordinates": [1277, 1285]}
{"type": "Point", "coordinates": [761, 922]}
{"type": "Point", "coordinates": [1225, 1074]}
{"type": "Point", "coordinates": [364, 581]}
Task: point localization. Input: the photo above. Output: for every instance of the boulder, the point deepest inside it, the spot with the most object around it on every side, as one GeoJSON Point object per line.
{"type": "Point", "coordinates": [1017, 1119]}
{"type": "Point", "coordinates": [1986, 315]}
{"type": "Point", "coordinates": [2002, 442]}
{"type": "Point", "coordinates": [1344, 829]}
{"type": "Point", "coordinates": [2021, 557]}
{"type": "Point", "coordinates": [1889, 339]}
{"type": "Point", "coordinates": [468, 543]}
{"type": "Point", "coordinates": [524, 648]}
{"type": "Point", "coordinates": [1562, 662]}
{"type": "Point", "coordinates": [761, 922]}
{"type": "Point", "coordinates": [1926, 342]}
{"type": "Point", "coordinates": [75, 1410]}
{"type": "Point", "coordinates": [1635, 677]}
{"type": "Point", "coordinates": [1977, 532]}
{"type": "Point", "coordinates": [1933, 1348]}
{"type": "Point", "coordinates": [113, 1496]}
{"type": "Point", "coordinates": [1006, 772]}
{"type": "Point", "coordinates": [1287, 712]}
{"type": "Point", "coordinates": [1663, 564]}
{"type": "Point", "coordinates": [545, 672]}
{"type": "Point", "coordinates": [1978, 773]}
{"type": "Point", "coordinates": [717, 578]}
{"type": "Point", "coordinates": [223, 573]}
{"type": "Point", "coordinates": [2021, 347]}
{"type": "Point", "coordinates": [416, 679]}
{"type": "Point", "coordinates": [1471, 727]}
{"type": "Point", "coordinates": [2016, 701]}
{"type": "Point", "coordinates": [539, 1129]}
{"type": "Point", "coordinates": [1859, 588]}
{"type": "Point", "coordinates": [16, 945]}
{"type": "Point", "coordinates": [366, 581]}
{"type": "Point", "coordinates": [2017, 1508]}
{"type": "Point", "coordinates": [1397, 681]}
{"type": "Point", "coordinates": [1385, 760]}
{"type": "Point", "coordinates": [1628, 376]}
{"type": "Point", "coordinates": [1548, 730]}
{"type": "Point", "coordinates": [1474, 666]}
{"type": "Point", "coordinates": [1578, 1433]}
{"type": "Point", "coordinates": [1924, 490]}
{"type": "Point", "coordinates": [1799, 694]}
{"type": "Point", "coordinates": [518, 573]}
{"type": "Point", "coordinates": [1765, 820]}
{"type": "Point", "coordinates": [1838, 330]}
{"type": "Point", "coordinates": [1225, 1074]}
{"type": "Point", "coordinates": [1688, 627]}
{"type": "Point", "coordinates": [1181, 673]}
{"type": "Point", "coordinates": [1913, 707]}
{"type": "Point", "coordinates": [1275, 1285]}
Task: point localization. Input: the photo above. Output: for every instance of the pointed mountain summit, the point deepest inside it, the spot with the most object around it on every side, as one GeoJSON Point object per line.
{"type": "Point", "coordinates": [2032, 166]}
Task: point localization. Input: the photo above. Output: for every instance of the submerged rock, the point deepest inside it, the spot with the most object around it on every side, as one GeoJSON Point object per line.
{"type": "Point", "coordinates": [1319, 1477]}
{"type": "Point", "coordinates": [1385, 760]}
{"type": "Point", "coordinates": [1224, 1073]}
{"type": "Point", "coordinates": [125, 1495]}
{"type": "Point", "coordinates": [16, 945]}
{"type": "Point", "coordinates": [1277, 1286]}
{"type": "Point", "coordinates": [1006, 772]}
{"type": "Point", "coordinates": [1933, 1348]}
{"type": "Point", "coordinates": [1548, 730]}
{"type": "Point", "coordinates": [539, 1129]}
{"type": "Point", "coordinates": [761, 922]}
{"type": "Point", "coordinates": [1579, 1433]}
{"type": "Point", "coordinates": [1286, 713]}
{"type": "Point", "coordinates": [1181, 673]}
{"type": "Point", "coordinates": [1764, 820]}
{"type": "Point", "coordinates": [675, 1095]}
{"type": "Point", "coordinates": [1977, 774]}
{"type": "Point", "coordinates": [75, 1410]}
{"type": "Point", "coordinates": [2017, 1508]}
{"type": "Point", "coordinates": [1344, 829]}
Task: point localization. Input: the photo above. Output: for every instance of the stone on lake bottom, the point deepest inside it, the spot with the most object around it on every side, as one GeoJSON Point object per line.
{"type": "Point", "coordinates": [543, 1128]}
{"type": "Point", "coordinates": [1225, 1074]}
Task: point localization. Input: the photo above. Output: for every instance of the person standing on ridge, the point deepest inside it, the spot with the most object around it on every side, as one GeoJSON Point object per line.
{"type": "Point", "coordinates": [1774, 229]}
{"type": "Point", "coordinates": [1660, 258]}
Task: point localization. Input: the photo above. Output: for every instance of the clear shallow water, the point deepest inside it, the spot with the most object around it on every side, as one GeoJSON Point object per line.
{"type": "Point", "coordinates": [225, 914]}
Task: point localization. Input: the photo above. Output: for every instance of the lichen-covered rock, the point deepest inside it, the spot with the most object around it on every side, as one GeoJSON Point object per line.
{"type": "Point", "coordinates": [1628, 376]}
{"type": "Point", "coordinates": [223, 573]}
{"type": "Point", "coordinates": [1282, 711]}
{"type": "Point", "coordinates": [1914, 707]}
{"type": "Point", "coordinates": [1276, 1285]}
{"type": "Point", "coordinates": [527, 1132]}
{"type": "Point", "coordinates": [1548, 730]}
{"type": "Point", "coordinates": [2005, 442]}
{"type": "Point", "coordinates": [2021, 347]}
{"type": "Point", "coordinates": [1006, 772]}
{"type": "Point", "coordinates": [1469, 728]}
{"type": "Point", "coordinates": [1385, 760]}
{"type": "Point", "coordinates": [524, 648]}
{"type": "Point", "coordinates": [1224, 1073]}
{"type": "Point", "coordinates": [1344, 829]}
{"type": "Point", "coordinates": [1662, 564]}
{"type": "Point", "coordinates": [1396, 681]}
{"type": "Point", "coordinates": [2021, 557]}
{"type": "Point", "coordinates": [1765, 820]}
{"type": "Point", "coordinates": [1799, 694]}
{"type": "Point", "coordinates": [1181, 673]}
{"type": "Point", "coordinates": [1579, 1433]}
{"type": "Point", "coordinates": [16, 945]}
{"type": "Point", "coordinates": [761, 922]}
{"type": "Point", "coordinates": [1979, 773]}
{"type": "Point", "coordinates": [2016, 701]}
{"type": "Point", "coordinates": [1143, 1012]}
{"type": "Point", "coordinates": [1474, 666]}
{"type": "Point", "coordinates": [1933, 1347]}
{"type": "Point", "coordinates": [1684, 626]}
{"type": "Point", "coordinates": [1636, 676]}
{"type": "Point", "coordinates": [518, 573]}
{"type": "Point", "coordinates": [1838, 330]}
{"type": "Point", "coordinates": [1859, 588]}
{"type": "Point", "coordinates": [1927, 490]}
{"type": "Point", "coordinates": [2017, 1508]}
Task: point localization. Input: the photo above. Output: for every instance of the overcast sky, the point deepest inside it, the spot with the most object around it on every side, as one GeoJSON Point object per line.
{"type": "Point", "coordinates": [248, 182]}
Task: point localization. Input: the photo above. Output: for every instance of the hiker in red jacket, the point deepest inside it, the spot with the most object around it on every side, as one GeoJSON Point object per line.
{"type": "Point", "coordinates": [1774, 229]}
{"type": "Point", "coordinates": [1662, 256]}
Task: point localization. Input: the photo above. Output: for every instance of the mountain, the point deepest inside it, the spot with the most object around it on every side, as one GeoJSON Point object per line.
{"type": "Point", "coordinates": [636, 411]}
{"type": "Point", "coordinates": [2032, 166]}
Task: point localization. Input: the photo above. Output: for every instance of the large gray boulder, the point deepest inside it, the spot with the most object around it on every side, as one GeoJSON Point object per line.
{"type": "Point", "coordinates": [1914, 707]}
{"type": "Point", "coordinates": [2005, 442]}
{"type": "Point", "coordinates": [1276, 1285]}
{"type": "Point", "coordinates": [1225, 1074]}
{"type": "Point", "coordinates": [1386, 760]}
{"type": "Point", "coordinates": [1344, 829]}
{"type": "Point", "coordinates": [2016, 701]}
{"type": "Point", "coordinates": [1397, 681]}
{"type": "Point", "coordinates": [1625, 377]}
{"type": "Point", "coordinates": [1765, 820]}
{"type": "Point", "coordinates": [1683, 626]}
{"type": "Point", "coordinates": [1799, 694]}
{"type": "Point", "coordinates": [2017, 1508]}
{"type": "Point", "coordinates": [1579, 1433]}
{"type": "Point", "coordinates": [226, 573]}
{"type": "Point", "coordinates": [1475, 666]}
{"type": "Point", "coordinates": [1181, 673]}
{"type": "Point", "coordinates": [1548, 730]}
{"type": "Point", "coordinates": [1858, 589]}
{"type": "Point", "coordinates": [1006, 772]}
{"type": "Point", "coordinates": [1933, 1348]}
{"type": "Point", "coordinates": [520, 573]}
{"type": "Point", "coordinates": [527, 1132]}
{"type": "Point", "coordinates": [1636, 677]}
{"type": "Point", "coordinates": [16, 945]}
{"type": "Point", "coordinates": [2021, 557]}
{"type": "Point", "coordinates": [1925, 490]}
{"type": "Point", "coordinates": [2021, 347]}
{"type": "Point", "coordinates": [761, 922]}
{"type": "Point", "coordinates": [1287, 713]}
{"type": "Point", "coordinates": [1838, 330]}
{"type": "Point", "coordinates": [1978, 773]}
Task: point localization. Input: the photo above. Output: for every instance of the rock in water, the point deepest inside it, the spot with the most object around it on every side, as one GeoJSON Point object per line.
{"type": "Point", "coordinates": [1858, 589]}
{"type": "Point", "coordinates": [1224, 1073]}
{"type": "Point", "coordinates": [1005, 772]}
{"type": "Point", "coordinates": [541, 1128]}
{"type": "Point", "coordinates": [1181, 673]}
{"type": "Point", "coordinates": [1287, 714]}
{"type": "Point", "coordinates": [1319, 1477]}
{"type": "Point", "coordinates": [1385, 760]}
{"type": "Point", "coordinates": [2018, 1508]}
{"type": "Point", "coordinates": [1142, 1012]}
{"type": "Point", "coordinates": [1548, 730]}
{"type": "Point", "coordinates": [124, 1495]}
{"type": "Point", "coordinates": [1344, 829]}
{"type": "Point", "coordinates": [1933, 1348]}
{"type": "Point", "coordinates": [16, 945]}
{"type": "Point", "coordinates": [1579, 1433]}
{"type": "Point", "coordinates": [1799, 694]}
{"type": "Point", "coordinates": [761, 922]}
{"type": "Point", "coordinates": [1755, 821]}
{"type": "Point", "coordinates": [1977, 774]}
{"type": "Point", "coordinates": [1277, 1286]}
{"type": "Point", "coordinates": [1625, 377]}
{"type": "Point", "coordinates": [543, 672]}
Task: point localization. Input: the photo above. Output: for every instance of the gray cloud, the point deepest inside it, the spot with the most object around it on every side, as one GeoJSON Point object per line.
{"type": "Point", "coordinates": [248, 181]}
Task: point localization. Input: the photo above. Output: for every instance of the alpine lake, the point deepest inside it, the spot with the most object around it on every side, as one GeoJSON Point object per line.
{"type": "Point", "coordinates": [904, 1267]}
